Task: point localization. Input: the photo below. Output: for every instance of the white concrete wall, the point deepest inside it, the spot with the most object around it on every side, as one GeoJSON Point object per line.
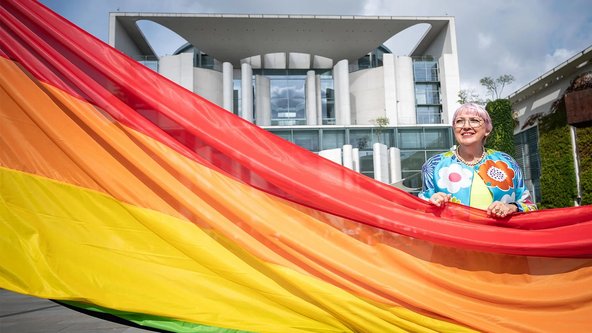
{"type": "Point", "coordinates": [390, 89]}
{"type": "Point", "coordinates": [449, 85]}
{"type": "Point", "coordinates": [275, 60]}
{"type": "Point", "coordinates": [262, 101]}
{"type": "Point", "coordinates": [298, 60]}
{"type": "Point", "coordinates": [208, 84]}
{"type": "Point", "coordinates": [405, 91]}
{"type": "Point", "coordinates": [366, 89]}
{"type": "Point", "coordinates": [179, 69]}
{"type": "Point", "coordinates": [119, 39]}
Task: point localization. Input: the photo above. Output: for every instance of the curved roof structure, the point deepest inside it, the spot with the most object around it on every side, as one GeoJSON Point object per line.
{"type": "Point", "coordinates": [234, 37]}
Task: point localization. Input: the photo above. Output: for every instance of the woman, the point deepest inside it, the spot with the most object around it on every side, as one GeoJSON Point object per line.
{"type": "Point", "coordinates": [472, 175]}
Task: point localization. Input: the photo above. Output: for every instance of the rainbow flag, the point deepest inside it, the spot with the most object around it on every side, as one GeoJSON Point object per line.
{"type": "Point", "coordinates": [123, 193]}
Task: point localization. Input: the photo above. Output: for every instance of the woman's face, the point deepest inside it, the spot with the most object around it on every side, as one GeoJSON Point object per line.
{"type": "Point", "coordinates": [469, 129]}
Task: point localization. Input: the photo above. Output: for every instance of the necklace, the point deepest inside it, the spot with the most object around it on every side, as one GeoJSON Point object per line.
{"type": "Point", "coordinates": [469, 163]}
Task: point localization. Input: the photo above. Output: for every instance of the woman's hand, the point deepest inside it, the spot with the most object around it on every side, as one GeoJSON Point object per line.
{"type": "Point", "coordinates": [439, 199]}
{"type": "Point", "coordinates": [499, 209]}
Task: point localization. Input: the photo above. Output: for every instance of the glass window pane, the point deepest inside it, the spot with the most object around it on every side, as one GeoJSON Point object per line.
{"type": "Point", "coordinates": [410, 139]}
{"type": "Point", "coordinates": [307, 139]}
{"type": "Point", "coordinates": [333, 139]}
{"type": "Point", "coordinates": [361, 139]}
{"type": "Point", "coordinates": [412, 179]}
{"type": "Point", "coordinates": [432, 153]}
{"type": "Point", "coordinates": [412, 160]}
{"type": "Point", "coordinates": [287, 100]}
{"type": "Point", "coordinates": [284, 134]}
{"type": "Point", "coordinates": [437, 138]}
{"type": "Point", "coordinates": [367, 164]}
{"type": "Point", "coordinates": [429, 115]}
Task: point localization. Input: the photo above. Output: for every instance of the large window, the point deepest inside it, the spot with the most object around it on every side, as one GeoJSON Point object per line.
{"type": "Point", "coordinates": [427, 91]}
{"type": "Point", "coordinates": [287, 100]}
{"type": "Point", "coordinates": [527, 156]}
{"type": "Point", "coordinates": [327, 98]}
{"type": "Point", "coordinates": [425, 69]}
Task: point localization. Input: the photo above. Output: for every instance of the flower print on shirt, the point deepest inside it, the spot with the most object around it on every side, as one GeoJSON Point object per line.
{"type": "Point", "coordinates": [454, 177]}
{"type": "Point", "coordinates": [497, 173]}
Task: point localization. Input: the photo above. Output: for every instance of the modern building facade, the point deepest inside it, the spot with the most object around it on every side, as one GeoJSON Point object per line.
{"type": "Point", "coordinates": [321, 82]}
{"type": "Point", "coordinates": [535, 100]}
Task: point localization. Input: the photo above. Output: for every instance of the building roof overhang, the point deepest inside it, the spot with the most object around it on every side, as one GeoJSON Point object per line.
{"type": "Point", "coordinates": [563, 70]}
{"type": "Point", "coordinates": [234, 37]}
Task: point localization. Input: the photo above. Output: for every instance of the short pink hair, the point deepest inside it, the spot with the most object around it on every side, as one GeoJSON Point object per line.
{"type": "Point", "coordinates": [474, 109]}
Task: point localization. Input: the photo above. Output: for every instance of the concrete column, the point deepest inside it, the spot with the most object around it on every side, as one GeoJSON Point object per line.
{"type": "Point", "coordinates": [390, 88]}
{"type": "Point", "coordinates": [227, 86]}
{"type": "Point", "coordinates": [311, 98]}
{"type": "Point", "coordinates": [342, 101]}
{"type": "Point", "coordinates": [380, 162]}
{"type": "Point", "coordinates": [331, 154]}
{"type": "Point", "coordinates": [356, 159]}
{"type": "Point", "coordinates": [405, 91]}
{"type": "Point", "coordinates": [246, 92]}
{"type": "Point", "coordinates": [348, 160]}
{"type": "Point", "coordinates": [262, 101]}
{"type": "Point", "coordinates": [395, 164]}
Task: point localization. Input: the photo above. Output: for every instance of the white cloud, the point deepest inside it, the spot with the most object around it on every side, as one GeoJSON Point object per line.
{"type": "Point", "coordinates": [484, 40]}
{"type": "Point", "coordinates": [558, 56]}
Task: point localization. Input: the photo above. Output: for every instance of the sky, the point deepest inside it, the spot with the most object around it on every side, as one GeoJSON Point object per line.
{"type": "Point", "coordinates": [524, 38]}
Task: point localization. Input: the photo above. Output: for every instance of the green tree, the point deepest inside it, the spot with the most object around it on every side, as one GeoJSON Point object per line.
{"type": "Point", "coordinates": [502, 136]}
{"type": "Point", "coordinates": [495, 87]}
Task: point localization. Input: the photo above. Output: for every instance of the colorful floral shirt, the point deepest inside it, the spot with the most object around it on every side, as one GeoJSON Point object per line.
{"type": "Point", "coordinates": [498, 171]}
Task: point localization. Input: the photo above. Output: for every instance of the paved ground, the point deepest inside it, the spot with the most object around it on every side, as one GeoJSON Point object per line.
{"type": "Point", "coordinates": [24, 314]}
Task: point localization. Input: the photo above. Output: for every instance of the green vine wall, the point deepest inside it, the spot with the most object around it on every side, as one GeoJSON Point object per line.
{"type": "Point", "coordinates": [584, 144]}
{"type": "Point", "coordinates": [558, 180]}
{"type": "Point", "coordinates": [502, 136]}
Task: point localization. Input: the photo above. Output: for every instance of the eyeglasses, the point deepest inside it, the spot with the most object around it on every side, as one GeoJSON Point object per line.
{"type": "Point", "coordinates": [473, 122]}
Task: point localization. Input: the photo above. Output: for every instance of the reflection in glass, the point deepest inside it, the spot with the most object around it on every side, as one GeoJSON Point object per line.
{"type": "Point", "coordinates": [361, 139]}
{"type": "Point", "coordinates": [412, 159]}
{"type": "Point", "coordinates": [287, 100]}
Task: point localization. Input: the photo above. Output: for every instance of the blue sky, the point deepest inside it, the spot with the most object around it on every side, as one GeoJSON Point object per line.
{"type": "Point", "coordinates": [524, 38]}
